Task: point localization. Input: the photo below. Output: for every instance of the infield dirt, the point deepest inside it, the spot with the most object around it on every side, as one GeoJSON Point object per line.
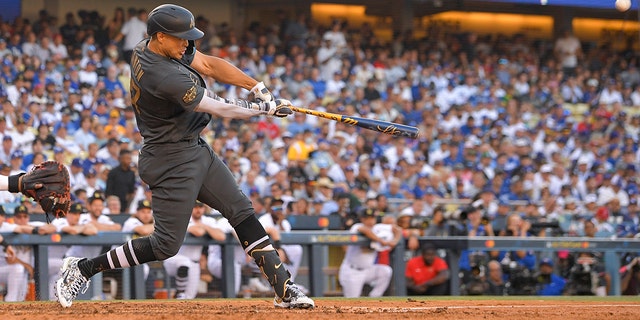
{"type": "Point", "coordinates": [329, 308]}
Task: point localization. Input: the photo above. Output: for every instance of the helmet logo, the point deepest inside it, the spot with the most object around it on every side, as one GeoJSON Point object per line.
{"type": "Point", "coordinates": [192, 24]}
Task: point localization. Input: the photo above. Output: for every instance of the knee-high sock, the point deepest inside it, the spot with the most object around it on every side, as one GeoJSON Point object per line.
{"type": "Point", "coordinates": [255, 242]}
{"type": "Point", "coordinates": [133, 252]}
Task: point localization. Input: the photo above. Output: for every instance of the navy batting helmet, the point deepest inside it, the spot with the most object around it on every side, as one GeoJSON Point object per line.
{"type": "Point", "coordinates": [174, 20]}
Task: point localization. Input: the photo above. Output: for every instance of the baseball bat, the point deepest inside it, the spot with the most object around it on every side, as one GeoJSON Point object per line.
{"type": "Point", "coordinates": [394, 129]}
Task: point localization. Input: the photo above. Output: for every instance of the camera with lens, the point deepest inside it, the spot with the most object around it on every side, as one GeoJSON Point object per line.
{"type": "Point", "coordinates": [419, 222]}
{"type": "Point", "coordinates": [536, 227]}
{"type": "Point", "coordinates": [583, 279]}
{"type": "Point", "coordinates": [475, 283]}
{"type": "Point", "coordinates": [522, 282]}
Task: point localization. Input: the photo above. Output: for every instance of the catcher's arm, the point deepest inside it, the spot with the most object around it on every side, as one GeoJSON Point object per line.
{"type": "Point", "coordinates": [47, 183]}
{"type": "Point", "coordinates": [4, 183]}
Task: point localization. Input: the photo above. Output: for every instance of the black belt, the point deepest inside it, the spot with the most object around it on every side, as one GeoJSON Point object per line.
{"type": "Point", "coordinates": [356, 268]}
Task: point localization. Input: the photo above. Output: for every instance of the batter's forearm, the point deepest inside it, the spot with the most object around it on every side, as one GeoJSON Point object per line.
{"type": "Point", "coordinates": [228, 108]}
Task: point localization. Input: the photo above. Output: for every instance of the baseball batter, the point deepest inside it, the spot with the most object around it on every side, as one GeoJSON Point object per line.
{"type": "Point", "coordinates": [359, 265]}
{"type": "Point", "coordinates": [173, 106]}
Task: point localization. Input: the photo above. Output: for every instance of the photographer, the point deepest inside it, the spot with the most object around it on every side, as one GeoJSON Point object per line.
{"type": "Point", "coordinates": [630, 275]}
{"type": "Point", "coordinates": [516, 227]}
{"type": "Point", "coordinates": [549, 283]}
{"type": "Point", "coordinates": [440, 226]}
{"type": "Point", "coordinates": [496, 285]}
{"type": "Point", "coordinates": [517, 265]}
{"type": "Point", "coordinates": [587, 275]}
{"type": "Point", "coordinates": [471, 262]}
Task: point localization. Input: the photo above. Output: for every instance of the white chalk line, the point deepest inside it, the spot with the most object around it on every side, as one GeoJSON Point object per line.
{"type": "Point", "coordinates": [444, 308]}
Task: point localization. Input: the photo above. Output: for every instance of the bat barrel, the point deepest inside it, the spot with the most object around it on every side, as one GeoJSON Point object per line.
{"type": "Point", "coordinates": [391, 128]}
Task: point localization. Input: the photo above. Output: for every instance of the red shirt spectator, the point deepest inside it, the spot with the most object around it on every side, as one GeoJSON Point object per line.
{"type": "Point", "coordinates": [427, 274]}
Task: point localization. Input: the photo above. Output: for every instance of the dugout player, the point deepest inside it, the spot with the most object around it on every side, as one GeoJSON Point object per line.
{"type": "Point", "coordinates": [359, 266]}
{"type": "Point", "coordinates": [172, 107]}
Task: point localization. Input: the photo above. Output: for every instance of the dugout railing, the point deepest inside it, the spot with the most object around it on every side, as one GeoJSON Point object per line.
{"type": "Point", "coordinates": [316, 243]}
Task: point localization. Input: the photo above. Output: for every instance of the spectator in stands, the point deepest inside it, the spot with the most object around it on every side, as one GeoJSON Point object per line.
{"type": "Point", "coordinates": [427, 274]}
{"type": "Point", "coordinates": [325, 193]}
{"type": "Point", "coordinates": [185, 266]}
{"type": "Point", "coordinates": [114, 25]}
{"type": "Point", "coordinates": [121, 180]}
{"type": "Point", "coordinates": [112, 204]}
{"type": "Point", "coordinates": [359, 267]}
{"type": "Point", "coordinates": [84, 136]}
{"type": "Point", "coordinates": [22, 137]}
{"type": "Point", "coordinates": [7, 148]}
{"type": "Point", "coordinates": [76, 174]}
{"type": "Point", "coordinates": [65, 141]}
{"type": "Point", "coordinates": [601, 222]}
{"type": "Point", "coordinates": [133, 31]}
{"type": "Point", "coordinates": [16, 162]}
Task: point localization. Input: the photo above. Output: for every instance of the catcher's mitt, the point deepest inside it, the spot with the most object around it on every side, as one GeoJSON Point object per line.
{"type": "Point", "coordinates": [47, 183]}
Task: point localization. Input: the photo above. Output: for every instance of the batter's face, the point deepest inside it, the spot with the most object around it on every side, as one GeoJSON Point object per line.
{"type": "Point", "coordinates": [170, 46]}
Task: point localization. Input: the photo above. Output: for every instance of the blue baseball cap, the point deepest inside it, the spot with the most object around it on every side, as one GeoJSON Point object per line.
{"type": "Point", "coordinates": [90, 172]}
{"type": "Point", "coordinates": [547, 261]}
{"type": "Point", "coordinates": [17, 154]}
{"type": "Point", "coordinates": [76, 162]}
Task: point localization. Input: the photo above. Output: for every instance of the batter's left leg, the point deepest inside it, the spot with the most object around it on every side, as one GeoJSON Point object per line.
{"type": "Point", "coordinates": [236, 207]}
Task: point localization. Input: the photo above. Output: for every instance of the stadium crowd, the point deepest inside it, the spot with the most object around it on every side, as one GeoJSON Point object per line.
{"type": "Point", "coordinates": [534, 130]}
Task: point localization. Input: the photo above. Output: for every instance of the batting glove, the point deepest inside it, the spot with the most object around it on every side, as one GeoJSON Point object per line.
{"type": "Point", "coordinates": [261, 93]}
{"type": "Point", "coordinates": [277, 108]}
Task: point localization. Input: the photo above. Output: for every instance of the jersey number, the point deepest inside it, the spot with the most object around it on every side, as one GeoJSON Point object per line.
{"type": "Point", "coordinates": [135, 95]}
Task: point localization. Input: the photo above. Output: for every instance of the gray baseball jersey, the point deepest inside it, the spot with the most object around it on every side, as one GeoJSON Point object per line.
{"type": "Point", "coordinates": [164, 93]}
